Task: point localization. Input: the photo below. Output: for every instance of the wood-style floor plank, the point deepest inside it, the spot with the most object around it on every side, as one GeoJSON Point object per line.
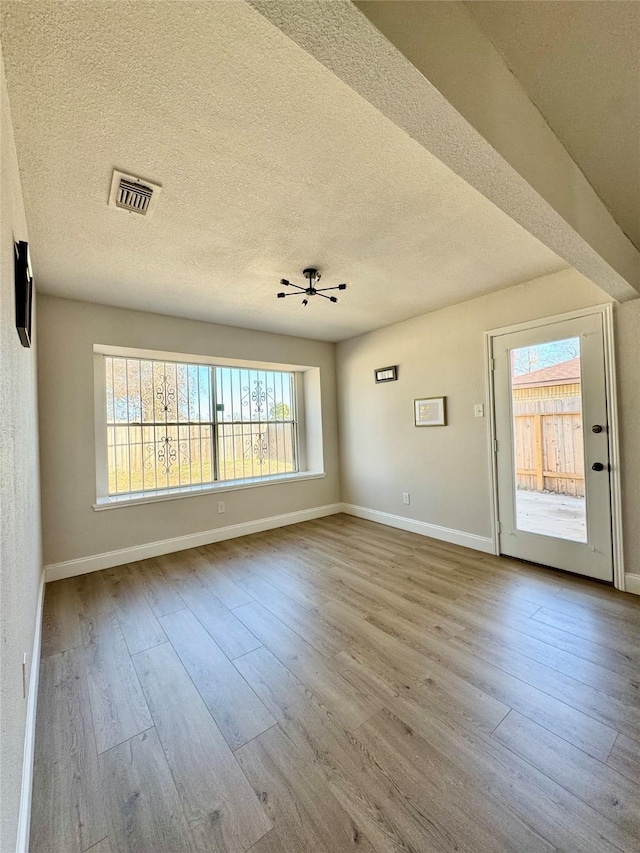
{"type": "Point", "coordinates": [594, 611]}
{"type": "Point", "coordinates": [385, 656]}
{"type": "Point", "coordinates": [160, 593]}
{"type": "Point", "coordinates": [389, 686]}
{"type": "Point", "coordinates": [221, 585]}
{"type": "Point", "coordinates": [306, 816]}
{"type": "Point", "coordinates": [333, 686]}
{"type": "Point", "coordinates": [625, 758]}
{"type": "Point", "coordinates": [387, 817]}
{"type": "Point", "coordinates": [594, 674]}
{"type": "Point", "coordinates": [304, 622]}
{"type": "Point", "coordinates": [587, 649]}
{"type": "Point", "coordinates": [221, 808]}
{"type": "Point", "coordinates": [600, 598]}
{"type": "Point", "coordinates": [619, 638]}
{"type": "Point", "coordinates": [60, 623]}
{"type": "Point", "coordinates": [103, 846]}
{"type": "Point", "coordinates": [138, 622]}
{"type": "Point", "coordinates": [586, 777]}
{"type": "Point", "coordinates": [347, 701]}
{"type": "Point", "coordinates": [118, 705]}
{"type": "Point", "coordinates": [462, 815]}
{"type": "Point", "coordinates": [67, 813]}
{"type": "Point", "coordinates": [455, 663]}
{"type": "Point", "coordinates": [601, 706]}
{"type": "Point", "coordinates": [145, 814]}
{"type": "Point", "coordinates": [274, 570]}
{"type": "Point", "coordinates": [226, 629]}
{"type": "Point", "coordinates": [539, 801]}
{"type": "Point", "coordinates": [233, 704]}
{"type": "Point", "coordinates": [94, 606]}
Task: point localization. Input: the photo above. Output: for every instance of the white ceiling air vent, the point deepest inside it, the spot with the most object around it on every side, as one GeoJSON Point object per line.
{"type": "Point", "coordinates": [134, 194]}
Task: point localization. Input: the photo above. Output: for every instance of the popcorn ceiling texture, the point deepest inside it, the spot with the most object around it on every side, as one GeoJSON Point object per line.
{"type": "Point", "coordinates": [515, 160]}
{"type": "Point", "coordinates": [20, 558]}
{"type": "Point", "coordinates": [582, 70]}
{"type": "Point", "coordinates": [268, 163]}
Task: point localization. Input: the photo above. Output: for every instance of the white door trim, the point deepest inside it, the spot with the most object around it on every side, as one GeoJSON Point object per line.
{"type": "Point", "coordinates": [606, 313]}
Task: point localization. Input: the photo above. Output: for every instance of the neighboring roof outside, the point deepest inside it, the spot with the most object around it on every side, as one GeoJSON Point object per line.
{"type": "Point", "coordinates": [565, 373]}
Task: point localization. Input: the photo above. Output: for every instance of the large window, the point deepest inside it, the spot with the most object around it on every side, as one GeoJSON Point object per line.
{"type": "Point", "coordinates": [172, 425]}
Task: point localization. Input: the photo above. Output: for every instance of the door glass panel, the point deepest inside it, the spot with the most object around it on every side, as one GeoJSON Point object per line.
{"type": "Point", "coordinates": [548, 443]}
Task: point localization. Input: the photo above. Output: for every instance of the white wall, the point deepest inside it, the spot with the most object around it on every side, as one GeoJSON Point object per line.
{"type": "Point", "coordinates": [20, 556]}
{"type": "Point", "coordinates": [446, 470]}
{"type": "Point", "coordinates": [71, 528]}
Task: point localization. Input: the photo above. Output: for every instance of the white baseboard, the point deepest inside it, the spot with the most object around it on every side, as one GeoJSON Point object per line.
{"type": "Point", "coordinates": [24, 817]}
{"type": "Point", "coordinates": [82, 565]}
{"type": "Point", "coordinates": [446, 534]}
{"type": "Point", "coordinates": [632, 583]}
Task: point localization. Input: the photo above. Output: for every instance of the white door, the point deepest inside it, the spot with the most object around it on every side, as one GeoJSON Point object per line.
{"type": "Point", "coordinates": [554, 504]}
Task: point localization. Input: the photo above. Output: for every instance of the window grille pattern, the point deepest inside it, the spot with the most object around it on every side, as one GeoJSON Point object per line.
{"type": "Point", "coordinates": [176, 425]}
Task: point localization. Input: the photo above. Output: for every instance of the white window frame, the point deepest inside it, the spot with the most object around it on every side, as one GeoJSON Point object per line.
{"type": "Point", "coordinates": [310, 453]}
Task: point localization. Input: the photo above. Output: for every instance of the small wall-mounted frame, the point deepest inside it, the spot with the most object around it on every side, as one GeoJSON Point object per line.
{"type": "Point", "coordinates": [430, 411]}
{"type": "Point", "coordinates": [386, 374]}
{"type": "Point", "coordinates": [24, 291]}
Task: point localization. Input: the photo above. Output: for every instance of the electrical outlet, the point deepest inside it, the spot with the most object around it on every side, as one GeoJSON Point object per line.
{"type": "Point", "coordinates": [406, 498]}
{"type": "Point", "coordinates": [478, 410]}
{"type": "Point", "coordinates": [221, 506]}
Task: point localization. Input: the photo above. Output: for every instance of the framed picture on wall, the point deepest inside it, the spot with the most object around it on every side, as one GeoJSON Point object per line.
{"type": "Point", "coordinates": [430, 411]}
{"type": "Point", "coordinates": [386, 374]}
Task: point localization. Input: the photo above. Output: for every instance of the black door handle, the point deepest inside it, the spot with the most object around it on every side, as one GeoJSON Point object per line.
{"type": "Point", "coordinates": [597, 466]}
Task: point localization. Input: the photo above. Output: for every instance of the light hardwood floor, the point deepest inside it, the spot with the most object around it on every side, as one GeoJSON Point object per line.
{"type": "Point", "coordinates": [337, 686]}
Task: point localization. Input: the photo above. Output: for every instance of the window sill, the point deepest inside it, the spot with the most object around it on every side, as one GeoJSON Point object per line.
{"type": "Point", "coordinates": [137, 498]}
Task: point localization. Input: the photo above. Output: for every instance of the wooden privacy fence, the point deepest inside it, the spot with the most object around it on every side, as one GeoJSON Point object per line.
{"type": "Point", "coordinates": [549, 451]}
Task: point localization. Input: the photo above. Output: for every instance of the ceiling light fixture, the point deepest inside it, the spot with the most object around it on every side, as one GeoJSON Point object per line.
{"type": "Point", "coordinates": [313, 277]}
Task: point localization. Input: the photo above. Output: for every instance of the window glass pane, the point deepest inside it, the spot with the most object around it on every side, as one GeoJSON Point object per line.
{"type": "Point", "coordinates": [146, 391]}
{"type": "Point", "coordinates": [254, 395]}
{"type": "Point", "coordinates": [255, 450]}
{"type": "Point", "coordinates": [162, 435]}
{"type": "Point", "coordinates": [161, 431]}
{"type": "Point", "coordinates": [548, 444]}
{"type": "Point", "coordinates": [256, 417]}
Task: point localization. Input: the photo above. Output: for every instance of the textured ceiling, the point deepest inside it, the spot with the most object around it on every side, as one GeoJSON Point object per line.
{"type": "Point", "coordinates": [268, 163]}
{"type": "Point", "coordinates": [579, 62]}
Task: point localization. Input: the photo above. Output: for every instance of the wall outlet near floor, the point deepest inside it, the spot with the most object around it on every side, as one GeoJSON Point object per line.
{"type": "Point", "coordinates": [222, 506]}
{"type": "Point", "coordinates": [406, 498]}
{"type": "Point", "coordinates": [478, 410]}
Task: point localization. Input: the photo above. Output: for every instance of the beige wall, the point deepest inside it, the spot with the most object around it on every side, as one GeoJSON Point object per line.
{"type": "Point", "coordinates": [20, 556]}
{"type": "Point", "coordinates": [71, 529]}
{"type": "Point", "coordinates": [446, 470]}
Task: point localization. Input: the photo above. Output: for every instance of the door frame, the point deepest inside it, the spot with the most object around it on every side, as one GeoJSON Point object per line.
{"type": "Point", "coordinates": [605, 311]}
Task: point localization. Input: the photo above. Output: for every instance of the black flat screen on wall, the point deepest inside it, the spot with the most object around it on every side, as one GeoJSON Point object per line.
{"type": "Point", "coordinates": [24, 292]}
